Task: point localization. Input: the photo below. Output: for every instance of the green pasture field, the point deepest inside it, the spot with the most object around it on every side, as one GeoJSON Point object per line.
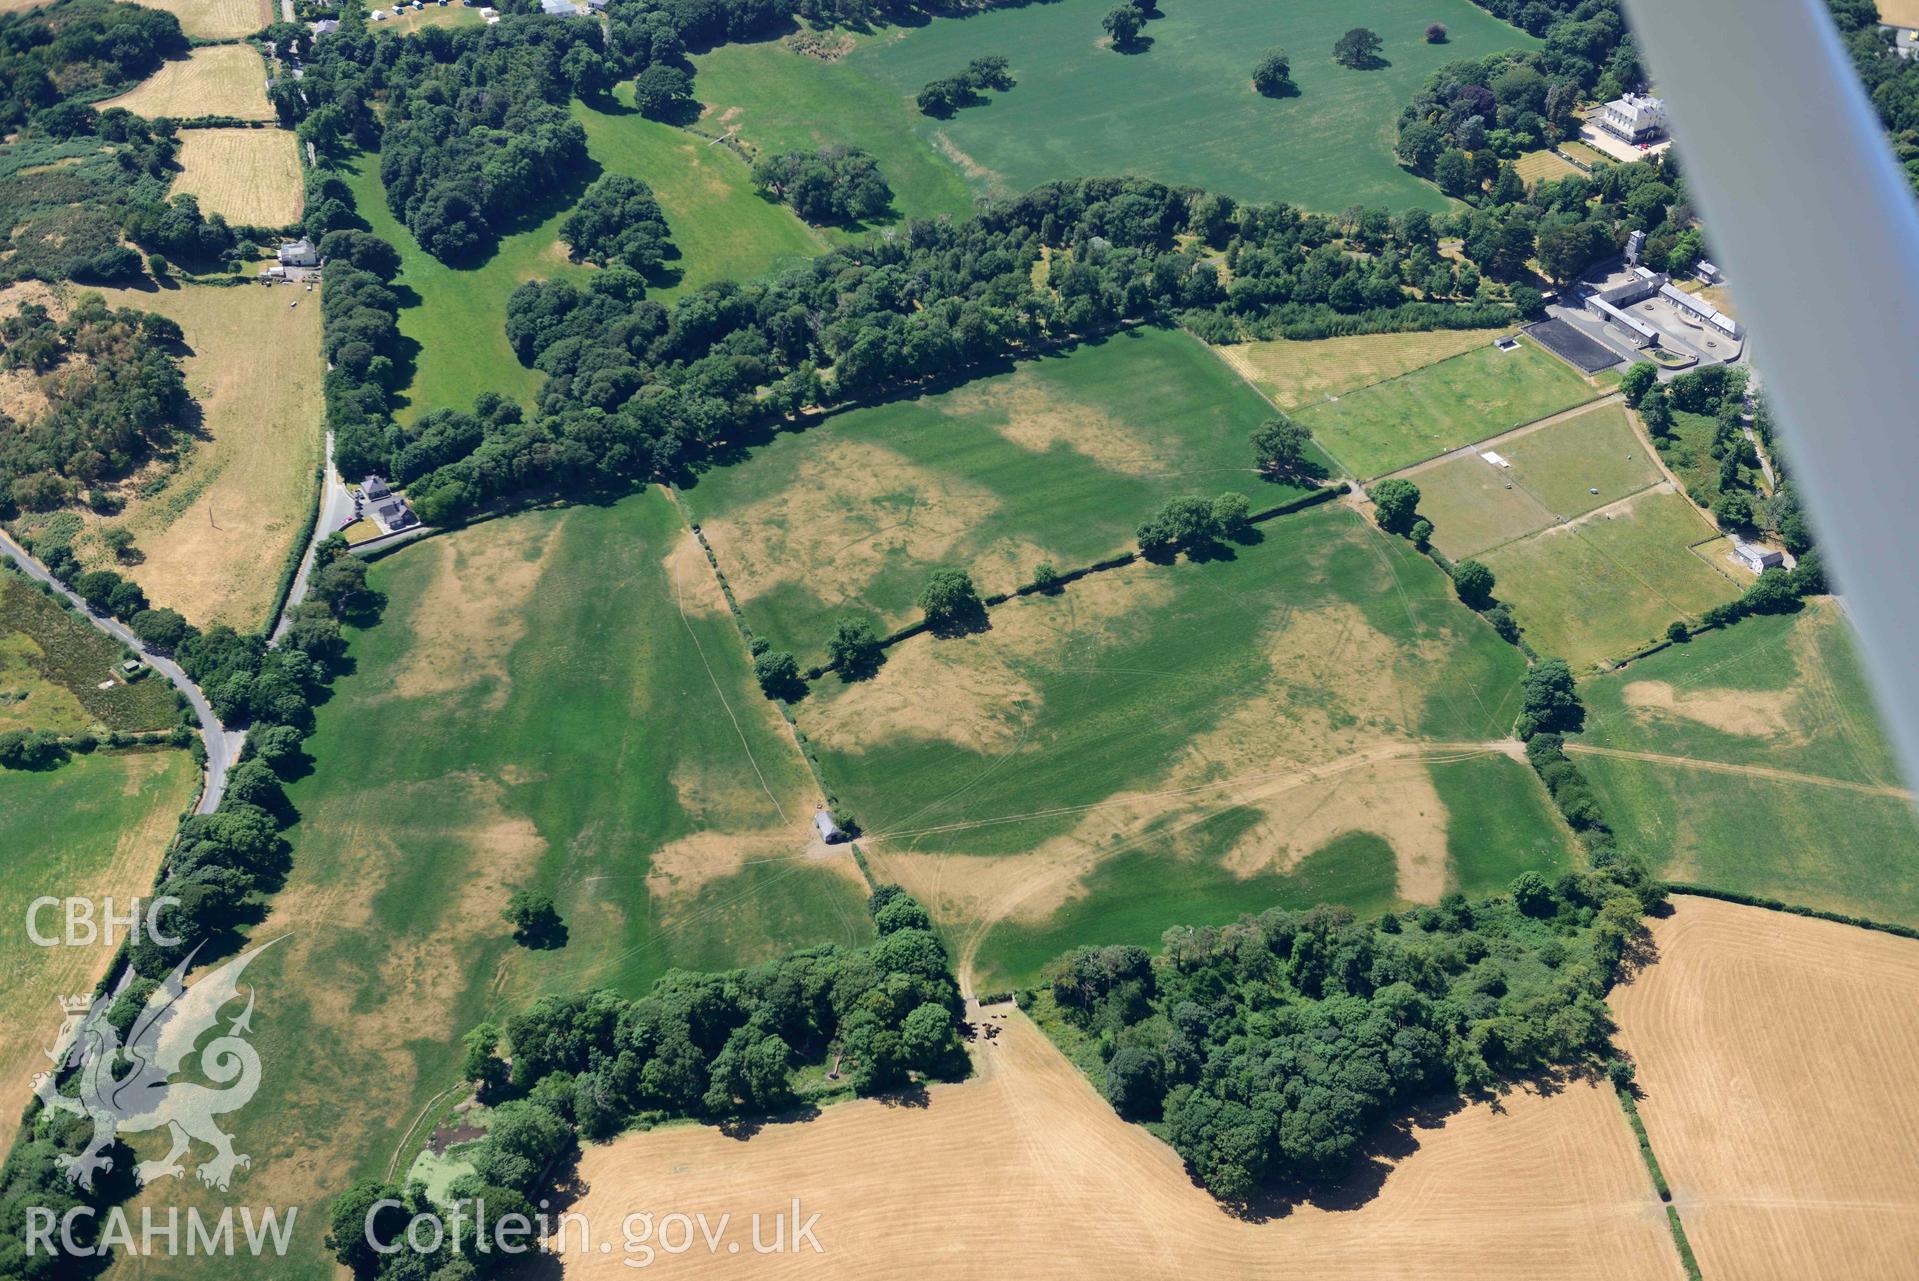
{"type": "Point", "coordinates": [776, 100]}
{"type": "Point", "coordinates": [96, 826]}
{"type": "Point", "coordinates": [1056, 459]}
{"type": "Point", "coordinates": [1174, 729]}
{"type": "Point", "coordinates": [1480, 393]}
{"type": "Point", "coordinates": [1606, 586]}
{"type": "Point", "coordinates": [560, 700]}
{"type": "Point", "coordinates": [1474, 505]}
{"type": "Point", "coordinates": [52, 663]}
{"type": "Point", "coordinates": [1772, 693]}
{"type": "Point", "coordinates": [1136, 897]}
{"type": "Point", "coordinates": [1184, 110]}
{"type": "Point", "coordinates": [453, 319]}
{"type": "Point", "coordinates": [1835, 850]}
{"type": "Point", "coordinates": [1783, 691]}
{"type": "Point", "coordinates": [1500, 822]}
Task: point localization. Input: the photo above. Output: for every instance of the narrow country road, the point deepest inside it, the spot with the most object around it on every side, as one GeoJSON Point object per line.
{"type": "Point", "coordinates": [336, 509]}
{"type": "Point", "coordinates": [222, 744]}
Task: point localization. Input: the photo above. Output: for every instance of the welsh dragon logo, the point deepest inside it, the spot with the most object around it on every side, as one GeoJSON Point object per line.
{"type": "Point", "coordinates": [127, 1089]}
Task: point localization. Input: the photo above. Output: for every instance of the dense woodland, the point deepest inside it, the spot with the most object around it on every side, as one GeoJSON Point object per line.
{"type": "Point", "coordinates": [1892, 81]}
{"type": "Point", "coordinates": [77, 49]}
{"type": "Point", "coordinates": [636, 389]}
{"type": "Point", "coordinates": [114, 397]}
{"type": "Point", "coordinates": [1268, 1051]}
{"type": "Point", "coordinates": [591, 1064]}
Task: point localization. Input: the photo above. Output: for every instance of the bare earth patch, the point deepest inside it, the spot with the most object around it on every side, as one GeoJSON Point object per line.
{"type": "Point", "coordinates": [1775, 1054]}
{"type": "Point", "coordinates": [1025, 1171]}
{"type": "Point", "coordinates": [1753, 713]}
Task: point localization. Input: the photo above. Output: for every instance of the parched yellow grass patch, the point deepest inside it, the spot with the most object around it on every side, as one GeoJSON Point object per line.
{"type": "Point", "coordinates": [1024, 1171]}
{"type": "Point", "coordinates": [219, 80]}
{"type": "Point", "coordinates": [1298, 373]}
{"type": "Point", "coordinates": [218, 19]}
{"type": "Point", "coordinates": [216, 537]}
{"type": "Point", "coordinates": [251, 176]}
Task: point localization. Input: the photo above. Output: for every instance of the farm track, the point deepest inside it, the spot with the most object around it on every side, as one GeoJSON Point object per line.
{"type": "Point", "coordinates": [1766, 772]}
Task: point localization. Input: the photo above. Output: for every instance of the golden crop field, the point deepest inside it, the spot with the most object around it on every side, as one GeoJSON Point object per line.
{"type": "Point", "coordinates": [217, 80]}
{"type": "Point", "coordinates": [1026, 1171]}
{"type": "Point", "coordinates": [1775, 1054]}
{"type": "Point", "coordinates": [250, 176]}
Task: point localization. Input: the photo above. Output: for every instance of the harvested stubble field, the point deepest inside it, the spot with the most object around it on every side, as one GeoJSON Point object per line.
{"type": "Point", "coordinates": [1609, 583]}
{"type": "Point", "coordinates": [218, 19]}
{"type": "Point", "coordinates": [557, 699]}
{"type": "Point", "coordinates": [1179, 743]}
{"type": "Point", "coordinates": [214, 80]}
{"type": "Point", "coordinates": [1024, 1170]}
{"type": "Point", "coordinates": [1475, 505]}
{"type": "Point", "coordinates": [52, 664]}
{"type": "Point", "coordinates": [1775, 1058]}
{"type": "Point", "coordinates": [217, 535]}
{"type": "Point", "coordinates": [1752, 758]}
{"type": "Point", "coordinates": [1389, 425]}
{"type": "Point", "coordinates": [96, 826]}
{"type": "Point", "coordinates": [1058, 459]}
{"type": "Point", "coordinates": [249, 176]}
{"type": "Point", "coordinates": [1297, 373]}
{"type": "Point", "coordinates": [1183, 110]}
